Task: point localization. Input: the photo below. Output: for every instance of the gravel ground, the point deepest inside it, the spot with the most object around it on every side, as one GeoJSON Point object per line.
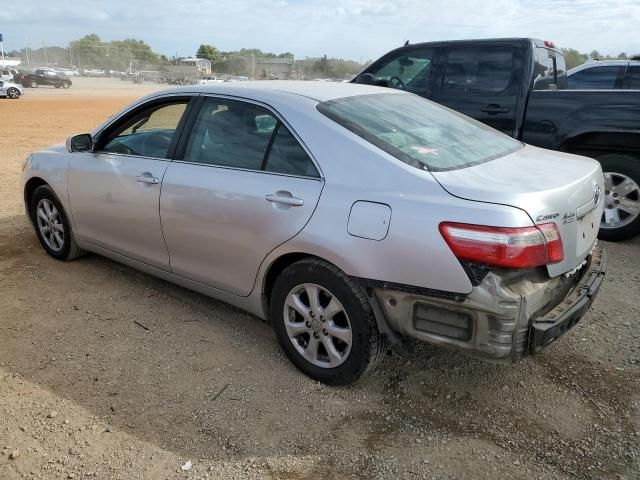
{"type": "Point", "coordinates": [87, 393]}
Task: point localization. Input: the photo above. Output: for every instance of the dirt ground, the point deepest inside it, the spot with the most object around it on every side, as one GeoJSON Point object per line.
{"type": "Point", "coordinates": [87, 393]}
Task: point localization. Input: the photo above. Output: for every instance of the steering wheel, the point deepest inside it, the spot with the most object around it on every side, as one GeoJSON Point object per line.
{"type": "Point", "coordinates": [395, 82]}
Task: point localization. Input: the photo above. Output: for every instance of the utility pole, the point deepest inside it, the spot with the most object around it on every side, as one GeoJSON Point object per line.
{"type": "Point", "coordinates": [46, 58]}
{"type": "Point", "coordinates": [2, 49]}
{"type": "Point", "coordinates": [26, 51]}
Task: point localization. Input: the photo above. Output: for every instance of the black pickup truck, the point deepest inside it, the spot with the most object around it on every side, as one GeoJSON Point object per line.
{"type": "Point", "coordinates": [519, 86]}
{"type": "Point", "coordinates": [43, 77]}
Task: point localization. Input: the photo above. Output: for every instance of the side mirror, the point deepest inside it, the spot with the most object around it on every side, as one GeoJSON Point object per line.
{"type": "Point", "coordinates": [79, 143]}
{"type": "Point", "coordinates": [366, 79]}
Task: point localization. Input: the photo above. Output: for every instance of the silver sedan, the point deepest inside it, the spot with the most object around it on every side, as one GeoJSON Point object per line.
{"type": "Point", "coordinates": [10, 89]}
{"type": "Point", "coordinates": [352, 218]}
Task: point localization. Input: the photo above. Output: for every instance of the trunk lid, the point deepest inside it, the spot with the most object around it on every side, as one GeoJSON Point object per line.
{"type": "Point", "coordinates": [549, 186]}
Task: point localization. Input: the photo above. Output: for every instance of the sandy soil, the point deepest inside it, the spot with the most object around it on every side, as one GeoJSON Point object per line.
{"type": "Point", "coordinates": [87, 393]}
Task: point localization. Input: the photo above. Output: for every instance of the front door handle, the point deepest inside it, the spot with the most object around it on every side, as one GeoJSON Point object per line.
{"type": "Point", "coordinates": [284, 198]}
{"type": "Point", "coordinates": [494, 109]}
{"type": "Point", "coordinates": [146, 177]}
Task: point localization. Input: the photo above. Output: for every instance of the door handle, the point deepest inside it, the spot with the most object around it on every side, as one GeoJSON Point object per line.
{"type": "Point", "coordinates": [284, 198]}
{"type": "Point", "coordinates": [494, 109]}
{"type": "Point", "coordinates": [147, 178]}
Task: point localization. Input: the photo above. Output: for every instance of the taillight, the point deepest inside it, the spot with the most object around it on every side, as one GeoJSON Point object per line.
{"type": "Point", "coordinates": [524, 247]}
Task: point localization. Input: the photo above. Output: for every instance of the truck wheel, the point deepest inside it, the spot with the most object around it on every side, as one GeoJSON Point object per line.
{"type": "Point", "coordinates": [324, 323]}
{"type": "Point", "coordinates": [33, 84]}
{"type": "Point", "coordinates": [65, 85]}
{"type": "Point", "coordinates": [621, 216]}
{"type": "Point", "coordinates": [13, 93]}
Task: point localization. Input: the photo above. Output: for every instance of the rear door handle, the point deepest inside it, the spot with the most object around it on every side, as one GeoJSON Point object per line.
{"type": "Point", "coordinates": [494, 109]}
{"type": "Point", "coordinates": [147, 178]}
{"type": "Point", "coordinates": [284, 198]}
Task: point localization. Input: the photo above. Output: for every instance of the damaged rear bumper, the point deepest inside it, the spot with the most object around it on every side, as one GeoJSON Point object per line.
{"type": "Point", "coordinates": [507, 316]}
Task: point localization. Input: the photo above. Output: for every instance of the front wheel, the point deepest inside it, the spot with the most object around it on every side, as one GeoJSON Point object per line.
{"type": "Point", "coordinates": [13, 93]}
{"type": "Point", "coordinates": [33, 84]}
{"type": "Point", "coordinates": [52, 225]}
{"type": "Point", "coordinates": [324, 323]}
{"type": "Point", "coordinates": [621, 215]}
{"type": "Point", "coordinates": [65, 85]}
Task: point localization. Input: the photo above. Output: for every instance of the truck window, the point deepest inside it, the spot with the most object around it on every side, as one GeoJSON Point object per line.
{"type": "Point", "coordinates": [548, 69]}
{"type": "Point", "coordinates": [596, 78]}
{"type": "Point", "coordinates": [632, 79]}
{"type": "Point", "coordinates": [408, 70]}
{"type": "Point", "coordinates": [478, 69]}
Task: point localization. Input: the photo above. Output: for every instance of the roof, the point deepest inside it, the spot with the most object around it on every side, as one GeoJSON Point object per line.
{"type": "Point", "coordinates": [319, 91]}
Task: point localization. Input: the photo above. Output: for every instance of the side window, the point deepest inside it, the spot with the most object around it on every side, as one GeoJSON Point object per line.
{"type": "Point", "coordinates": [632, 79]}
{"type": "Point", "coordinates": [147, 134]}
{"type": "Point", "coordinates": [595, 78]}
{"type": "Point", "coordinates": [231, 133]}
{"type": "Point", "coordinates": [478, 69]}
{"type": "Point", "coordinates": [410, 70]}
{"type": "Point", "coordinates": [288, 156]}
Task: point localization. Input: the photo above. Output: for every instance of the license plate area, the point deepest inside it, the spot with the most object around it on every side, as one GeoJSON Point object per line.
{"type": "Point", "coordinates": [587, 229]}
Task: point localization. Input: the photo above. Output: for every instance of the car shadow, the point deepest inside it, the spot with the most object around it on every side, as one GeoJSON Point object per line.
{"type": "Point", "coordinates": [204, 379]}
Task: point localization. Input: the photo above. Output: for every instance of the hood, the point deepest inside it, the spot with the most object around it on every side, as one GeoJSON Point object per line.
{"type": "Point", "coordinates": [549, 186]}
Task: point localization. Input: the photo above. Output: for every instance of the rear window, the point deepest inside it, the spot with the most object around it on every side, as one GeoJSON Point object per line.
{"type": "Point", "coordinates": [419, 132]}
{"type": "Point", "coordinates": [549, 69]}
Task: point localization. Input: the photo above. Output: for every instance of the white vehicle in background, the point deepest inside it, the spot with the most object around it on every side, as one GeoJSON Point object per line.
{"type": "Point", "coordinates": [10, 90]}
{"type": "Point", "coordinates": [7, 74]}
{"type": "Point", "coordinates": [208, 79]}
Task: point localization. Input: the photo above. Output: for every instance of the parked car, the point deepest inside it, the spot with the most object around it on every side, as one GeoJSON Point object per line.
{"type": "Point", "coordinates": [347, 215]}
{"type": "Point", "coordinates": [7, 74]}
{"type": "Point", "coordinates": [606, 74]}
{"type": "Point", "coordinates": [208, 79]}
{"type": "Point", "coordinates": [519, 86]}
{"type": "Point", "coordinates": [10, 89]}
{"type": "Point", "coordinates": [43, 77]}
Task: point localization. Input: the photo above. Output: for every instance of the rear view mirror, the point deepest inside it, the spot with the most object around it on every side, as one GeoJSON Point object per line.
{"type": "Point", "coordinates": [366, 79]}
{"type": "Point", "coordinates": [79, 143]}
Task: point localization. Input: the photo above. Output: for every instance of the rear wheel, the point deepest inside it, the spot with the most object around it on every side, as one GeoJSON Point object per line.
{"type": "Point", "coordinates": [33, 84]}
{"type": "Point", "coordinates": [621, 216]}
{"type": "Point", "coordinates": [13, 93]}
{"type": "Point", "coordinates": [324, 323]}
{"type": "Point", "coordinates": [52, 225]}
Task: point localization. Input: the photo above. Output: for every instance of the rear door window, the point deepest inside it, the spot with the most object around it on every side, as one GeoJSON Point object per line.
{"type": "Point", "coordinates": [597, 78]}
{"type": "Point", "coordinates": [478, 69]}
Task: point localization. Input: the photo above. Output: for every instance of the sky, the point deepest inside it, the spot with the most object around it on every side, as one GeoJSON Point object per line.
{"type": "Point", "coordinates": [352, 29]}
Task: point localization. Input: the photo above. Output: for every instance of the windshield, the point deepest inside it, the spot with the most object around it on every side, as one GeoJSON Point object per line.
{"type": "Point", "coordinates": [419, 132]}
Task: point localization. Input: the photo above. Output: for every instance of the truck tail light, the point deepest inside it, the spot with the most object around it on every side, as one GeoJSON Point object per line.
{"type": "Point", "coordinates": [524, 247]}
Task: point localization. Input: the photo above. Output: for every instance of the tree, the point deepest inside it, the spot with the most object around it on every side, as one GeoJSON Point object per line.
{"type": "Point", "coordinates": [573, 58]}
{"type": "Point", "coordinates": [209, 52]}
{"type": "Point", "coordinates": [595, 54]}
{"type": "Point", "coordinates": [622, 56]}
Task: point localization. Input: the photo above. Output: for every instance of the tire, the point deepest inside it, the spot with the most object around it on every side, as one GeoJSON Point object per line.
{"type": "Point", "coordinates": [33, 84]}
{"type": "Point", "coordinates": [65, 85]}
{"type": "Point", "coordinates": [13, 93]}
{"type": "Point", "coordinates": [622, 185]}
{"type": "Point", "coordinates": [349, 361]}
{"type": "Point", "coordinates": [68, 249]}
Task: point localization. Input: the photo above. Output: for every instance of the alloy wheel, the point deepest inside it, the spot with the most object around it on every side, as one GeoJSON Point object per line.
{"type": "Point", "coordinates": [622, 200]}
{"type": "Point", "coordinates": [317, 325]}
{"type": "Point", "coordinates": [50, 225]}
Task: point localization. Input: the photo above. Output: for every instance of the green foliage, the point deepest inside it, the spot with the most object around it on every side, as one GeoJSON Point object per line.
{"type": "Point", "coordinates": [209, 52]}
{"type": "Point", "coordinates": [573, 58]}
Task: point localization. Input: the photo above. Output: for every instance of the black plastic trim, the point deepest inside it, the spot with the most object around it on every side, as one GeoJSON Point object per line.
{"type": "Point", "coordinates": [427, 292]}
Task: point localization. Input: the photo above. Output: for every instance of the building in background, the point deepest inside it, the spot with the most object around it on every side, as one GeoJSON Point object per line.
{"type": "Point", "coordinates": [202, 64]}
{"type": "Point", "coordinates": [274, 68]}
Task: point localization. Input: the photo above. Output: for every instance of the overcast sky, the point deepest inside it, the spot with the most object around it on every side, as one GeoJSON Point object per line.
{"type": "Point", "coordinates": [354, 29]}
